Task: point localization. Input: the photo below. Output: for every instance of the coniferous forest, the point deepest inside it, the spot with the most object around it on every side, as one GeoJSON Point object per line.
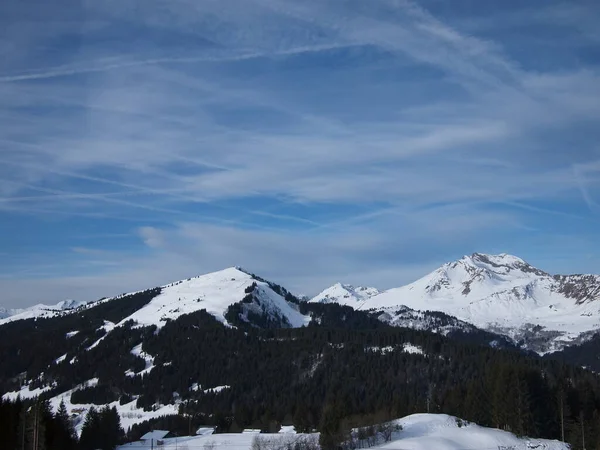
{"type": "Point", "coordinates": [345, 369]}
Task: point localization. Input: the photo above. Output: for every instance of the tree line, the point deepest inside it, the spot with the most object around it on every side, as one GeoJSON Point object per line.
{"type": "Point", "coordinates": [32, 425]}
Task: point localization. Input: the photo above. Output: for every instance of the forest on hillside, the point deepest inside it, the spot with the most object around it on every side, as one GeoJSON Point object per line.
{"type": "Point", "coordinates": [345, 369]}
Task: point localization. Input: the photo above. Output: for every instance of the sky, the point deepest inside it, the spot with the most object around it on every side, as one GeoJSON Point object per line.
{"type": "Point", "coordinates": [310, 142]}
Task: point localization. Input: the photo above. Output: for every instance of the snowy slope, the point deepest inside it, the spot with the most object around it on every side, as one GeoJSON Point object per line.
{"type": "Point", "coordinates": [40, 310]}
{"type": "Point", "coordinates": [346, 294]}
{"type": "Point", "coordinates": [504, 294]}
{"type": "Point", "coordinates": [441, 432]}
{"type": "Point", "coordinates": [214, 292]}
{"type": "Point", "coordinates": [405, 317]}
{"type": "Point", "coordinates": [419, 432]}
{"type": "Point", "coordinates": [7, 312]}
{"type": "Point", "coordinates": [129, 413]}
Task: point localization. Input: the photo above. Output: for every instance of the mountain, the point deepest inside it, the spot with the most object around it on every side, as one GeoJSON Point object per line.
{"type": "Point", "coordinates": [7, 312]}
{"type": "Point", "coordinates": [232, 350]}
{"type": "Point", "coordinates": [214, 292]}
{"type": "Point", "coordinates": [505, 295]}
{"type": "Point", "coordinates": [346, 294]}
{"type": "Point", "coordinates": [40, 310]}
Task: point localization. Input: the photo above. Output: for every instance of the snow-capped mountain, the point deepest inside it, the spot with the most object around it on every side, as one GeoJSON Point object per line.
{"type": "Point", "coordinates": [506, 295]}
{"type": "Point", "coordinates": [7, 312]}
{"type": "Point", "coordinates": [214, 292]}
{"type": "Point", "coordinates": [346, 294]}
{"type": "Point", "coordinates": [40, 310]}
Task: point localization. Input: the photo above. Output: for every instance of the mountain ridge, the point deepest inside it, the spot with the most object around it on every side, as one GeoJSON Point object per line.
{"type": "Point", "coordinates": [503, 294]}
{"type": "Point", "coordinates": [229, 337]}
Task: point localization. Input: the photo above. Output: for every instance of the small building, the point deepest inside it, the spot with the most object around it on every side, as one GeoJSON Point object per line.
{"type": "Point", "coordinates": [155, 437]}
{"type": "Point", "coordinates": [205, 430]}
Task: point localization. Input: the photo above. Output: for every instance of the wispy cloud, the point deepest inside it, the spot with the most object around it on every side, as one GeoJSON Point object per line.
{"type": "Point", "coordinates": [323, 127]}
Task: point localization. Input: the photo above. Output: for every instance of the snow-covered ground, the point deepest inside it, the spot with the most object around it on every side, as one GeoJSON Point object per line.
{"type": "Point", "coordinates": [25, 393]}
{"type": "Point", "coordinates": [407, 348]}
{"type": "Point", "coordinates": [420, 432]}
{"type": "Point", "coordinates": [128, 412]}
{"type": "Point", "coordinates": [441, 432]}
{"type": "Point", "coordinates": [229, 441]}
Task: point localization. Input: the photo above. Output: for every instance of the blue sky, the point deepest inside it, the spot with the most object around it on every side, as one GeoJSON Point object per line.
{"type": "Point", "coordinates": [309, 141]}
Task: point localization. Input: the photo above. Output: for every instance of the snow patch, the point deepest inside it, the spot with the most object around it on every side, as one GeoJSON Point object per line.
{"type": "Point", "coordinates": [25, 393]}
{"type": "Point", "coordinates": [137, 351]}
{"type": "Point", "coordinates": [128, 412]}
{"type": "Point", "coordinates": [216, 389]}
{"type": "Point", "coordinates": [412, 349]}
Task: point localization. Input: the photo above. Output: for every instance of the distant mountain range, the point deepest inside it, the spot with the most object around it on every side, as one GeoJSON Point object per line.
{"type": "Point", "coordinates": [234, 334]}
{"type": "Point", "coordinates": [40, 310]}
{"type": "Point", "coordinates": [501, 294]}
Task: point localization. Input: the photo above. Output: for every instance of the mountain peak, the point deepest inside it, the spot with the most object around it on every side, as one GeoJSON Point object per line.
{"type": "Point", "coordinates": [501, 259]}
{"type": "Point", "coordinates": [502, 263]}
{"type": "Point", "coordinates": [346, 294]}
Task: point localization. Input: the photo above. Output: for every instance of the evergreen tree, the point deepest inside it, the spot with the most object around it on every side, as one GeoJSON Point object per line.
{"type": "Point", "coordinates": [332, 435]}
{"type": "Point", "coordinates": [91, 432]}
{"type": "Point", "coordinates": [35, 426]}
{"type": "Point", "coordinates": [501, 400]}
{"type": "Point", "coordinates": [112, 431]}
{"type": "Point", "coordinates": [63, 436]}
{"type": "Point", "coordinates": [522, 410]}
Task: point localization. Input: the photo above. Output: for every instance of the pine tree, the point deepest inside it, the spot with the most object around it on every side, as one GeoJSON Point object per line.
{"type": "Point", "coordinates": [522, 410]}
{"type": "Point", "coordinates": [110, 424]}
{"type": "Point", "coordinates": [500, 399]}
{"type": "Point", "coordinates": [91, 432]}
{"type": "Point", "coordinates": [63, 436]}
{"type": "Point", "coordinates": [301, 420]}
{"type": "Point", "coordinates": [477, 403]}
{"type": "Point", "coordinates": [34, 431]}
{"type": "Point", "coordinates": [332, 435]}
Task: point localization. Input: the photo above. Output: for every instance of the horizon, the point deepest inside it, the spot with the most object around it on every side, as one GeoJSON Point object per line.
{"type": "Point", "coordinates": [305, 295]}
{"type": "Point", "coordinates": [316, 142]}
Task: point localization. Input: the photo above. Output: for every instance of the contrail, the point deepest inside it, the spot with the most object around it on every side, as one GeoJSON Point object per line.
{"type": "Point", "coordinates": [55, 73]}
{"type": "Point", "coordinates": [585, 194]}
